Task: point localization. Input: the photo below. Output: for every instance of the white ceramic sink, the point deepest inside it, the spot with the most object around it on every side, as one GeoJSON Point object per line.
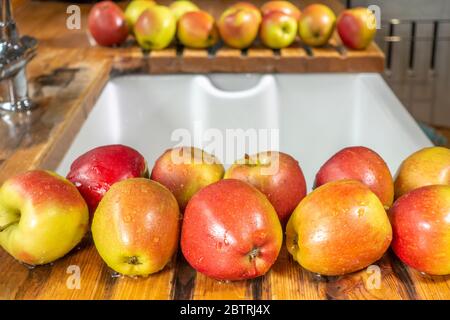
{"type": "Point", "coordinates": [315, 115]}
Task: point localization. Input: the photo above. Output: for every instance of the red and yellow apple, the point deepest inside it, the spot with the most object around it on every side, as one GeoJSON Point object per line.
{"type": "Point", "coordinates": [284, 187]}
{"type": "Point", "coordinates": [278, 30]}
{"type": "Point", "coordinates": [197, 30]}
{"type": "Point", "coordinates": [284, 7]}
{"type": "Point", "coordinates": [42, 217]}
{"type": "Point", "coordinates": [136, 227]}
{"type": "Point", "coordinates": [231, 231]}
{"type": "Point", "coordinates": [239, 27]}
{"type": "Point", "coordinates": [180, 7]}
{"type": "Point", "coordinates": [155, 28]}
{"type": "Point", "coordinates": [316, 25]}
{"type": "Point", "coordinates": [186, 170]}
{"type": "Point", "coordinates": [340, 227]}
{"type": "Point", "coordinates": [94, 172]}
{"type": "Point", "coordinates": [421, 229]}
{"type": "Point", "coordinates": [362, 164]}
{"type": "Point", "coordinates": [425, 167]}
{"type": "Point", "coordinates": [107, 24]}
{"type": "Point", "coordinates": [356, 27]}
{"type": "Point", "coordinates": [243, 5]}
{"type": "Point", "coordinates": [134, 10]}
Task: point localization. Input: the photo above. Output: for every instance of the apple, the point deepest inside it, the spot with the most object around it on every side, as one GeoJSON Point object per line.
{"type": "Point", "coordinates": [180, 7]}
{"type": "Point", "coordinates": [356, 27]}
{"type": "Point", "coordinates": [278, 30]}
{"type": "Point", "coordinates": [197, 29]}
{"type": "Point", "coordinates": [425, 167]}
{"type": "Point", "coordinates": [107, 24]}
{"type": "Point", "coordinates": [42, 217]}
{"type": "Point", "coordinates": [284, 187]}
{"type": "Point", "coordinates": [94, 172]}
{"type": "Point", "coordinates": [421, 229]}
{"type": "Point", "coordinates": [136, 227]}
{"type": "Point", "coordinates": [340, 227]}
{"type": "Point", "coordinates": [135, 9]}
{"type": "Point", "coordinates": [186, 170]}
{"type": "Point", "coordinates": [362, 164]}
{"type": "Point", "coordinates": [230, 231]}
{"type": "Point", "coordinates": [285, 7]}
{"type": "Point", "coordinates": [316, 25]}
{"type": "Point", "coordinates": [155, 28]}
{"type": "Point", "coordinates": [239, 26]}
{"type": "Point", "coordinates": [248, 6]}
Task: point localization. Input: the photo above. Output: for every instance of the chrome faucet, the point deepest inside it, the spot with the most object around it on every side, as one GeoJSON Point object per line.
{"type": "Point", "coordinates": [15, 53]}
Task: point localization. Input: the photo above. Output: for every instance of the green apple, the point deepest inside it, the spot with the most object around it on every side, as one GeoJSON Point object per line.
{"type": "Point", "coordinates": [181, 7]}
{"type": "Point", "coordinates": [134, 10]}
{"type": "Point", "coordinates": [42, 217]}
{"type": "Point", "coordinates": [136, 227]}
{"type": "Point", "coordinates": [278, 30]}
{"type": "Point", "coordinates": [155, 28]}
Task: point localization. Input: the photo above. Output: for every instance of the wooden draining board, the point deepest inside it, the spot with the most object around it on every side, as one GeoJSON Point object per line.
{"type": "Point", "coordinates": [295, 59]}
{"type": "Point", "coordinates": [66, 78]}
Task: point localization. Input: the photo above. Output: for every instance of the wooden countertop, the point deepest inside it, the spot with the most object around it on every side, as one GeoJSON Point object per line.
{"type": "Point", "coordinates": [66, 78]}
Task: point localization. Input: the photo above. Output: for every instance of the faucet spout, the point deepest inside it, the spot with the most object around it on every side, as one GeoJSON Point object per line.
{"type": "Point", "coordinates": [15, 53]}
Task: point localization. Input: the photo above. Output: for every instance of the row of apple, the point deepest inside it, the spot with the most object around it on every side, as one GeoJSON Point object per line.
{"type": "Point", "coordinates": [233, 221]}
{"type": "Point", "coordinates": [277, 23]}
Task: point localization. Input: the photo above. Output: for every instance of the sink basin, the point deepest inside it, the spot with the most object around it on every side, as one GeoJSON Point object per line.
{"type": "Point", "coordinates": [310, 116]}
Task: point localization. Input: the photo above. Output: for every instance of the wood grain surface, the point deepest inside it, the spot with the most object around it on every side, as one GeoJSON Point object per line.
{"type": "Point", "coordinates": [66, 77]}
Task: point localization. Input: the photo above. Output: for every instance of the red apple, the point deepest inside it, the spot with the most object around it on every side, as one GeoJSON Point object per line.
{"type": "Point", "coordinates": [356, 27]}
{"type": "Point", "coordinates": [186, 170]}
{"type": "Point", "coordinates": [316, 24]}
{"type": "Point", "coordinates": [94, 172]}
{"type": "Point", "coordinates": [362, 164]}
{"type": "Point", "coordinates": [136, 227]}
{"type": "Point", "coordinates": [231, 231]}
{"type": "Point", "coordinates": [107, 24]}
{"type": "Point", "coordinates": [42, 217]}
{"type": "Point", "coordinates": [197, 29]}
{"type": "Point", "coordinates": [340, 227]}
{"type": "Point", "coordinates": [425, 167]}
{"type": "Point", "coordinates": [278, 30]}
{"type": "Point", "coordinates": [285, 187]}
{"type": "Point", "coordinates": [239, 26]}
{"type": "Point", "coordinates": [284, 7]}
{"type": "Point", "coordinates": [421, 229]}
